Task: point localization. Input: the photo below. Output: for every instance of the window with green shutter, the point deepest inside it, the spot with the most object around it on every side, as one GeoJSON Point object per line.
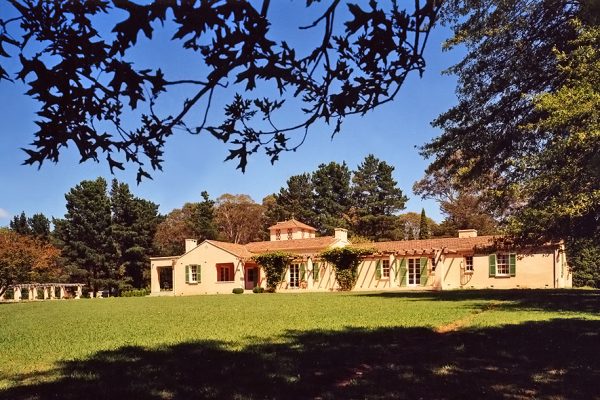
{"type": "Point", "coordinates": [424, 271]}
{"type": "Point", "coordinates": [492, 262]}
{"type": "Point", "coordinates": [316, 270]}
{"type": "Point", "coordinates": [512, 264]}
{"type": "Point", "coordinates": [378, 270]}
{"type": "Point", "coordinates": [303, 271]}
{"type": "Point", "coordinates": [402, 272]}
{"type": "Point", "coordinates": [187, 274]}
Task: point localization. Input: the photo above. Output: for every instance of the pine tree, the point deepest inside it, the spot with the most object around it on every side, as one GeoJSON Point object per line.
{"type": "Point", "coordinates": [376, 199]}
{"type": "Point", "coordinates": [39, 225]}
{"type": "Point", "coordinates": [134, 223]}
{"type": "Point", "coordinates": [19, 224]}
{"type": "Point", "coordinates": [423, 226]}
{"type": "Point", "coordinates": [332, 200]}
{"type": "Point", "coordinates": [297, 200]}
{"type": "Point", "coordinates": [85, 235]}
{"type": "Point", "coordinates": [204, 219]}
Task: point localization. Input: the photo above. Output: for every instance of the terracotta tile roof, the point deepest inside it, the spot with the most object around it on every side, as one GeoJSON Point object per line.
{"type": "Point", "coordinates": [314, 244]}
{"type": "Point", "coordinates": [291, 223]}
{"type": "Point", "coordinates": [238, 250]}
{"type": "Point", "coordinates": [428, 245]}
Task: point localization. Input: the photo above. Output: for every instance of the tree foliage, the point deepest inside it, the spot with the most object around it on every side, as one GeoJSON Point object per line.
{"type": "Point", "coordinates": [25, 259]}
{"type": "Point", "coordinates": [424, 232]}
{"type": "Point", "coordinates": [274, 265]}
{"type": "Point", "coordinates": [296, 200]}
{"type": "Point", "coordinates": [345, 261]}
{"type": "Point", "coordinates": [81, 70]}
{"type": "Point", "coordinates": [561, 184]}
{"type": "Point", "coordinates": [583, 257]}
{"type": "Point", "coordinates": [238, 218]}
{"type": "Point", "coordinates": [495, 142]}
{"type": "Point", "coordinates": [408, 226]}
{"type": "Point", "coordinates": [85, 235]}
{"type": "Point", "coordinates": [332, 196]}
{"type": "Point", "coordinates": [172, 231]}
{"type": "Point", "coordinates": [376, 199]}
{"type": "Point", "coordinates": [134, 223]}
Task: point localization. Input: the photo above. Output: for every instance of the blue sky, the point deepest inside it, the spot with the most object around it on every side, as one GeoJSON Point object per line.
{"type": "Point", "coordinates": [195, 163]}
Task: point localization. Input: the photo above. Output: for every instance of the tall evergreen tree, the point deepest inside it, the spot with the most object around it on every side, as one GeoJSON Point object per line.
{"type": "Point", "coordinates": [332, 196]}
{"type": "Point", "coordinates": [19, 224]}
{"type": "Point", "coordinates": [39, 225]}
{"type": "Point", "coordinates": [134, 223]}
{"type": "Point", "coordinates": [297, 200]}
{"type": "Point", "coordinates": [376, 199]}
{"type": "Point", "coordinates": [423, 226]}
{"type": "Point", "coordinates": [85, 235]}
{"type": "Point", "coordinates": [204, 218]}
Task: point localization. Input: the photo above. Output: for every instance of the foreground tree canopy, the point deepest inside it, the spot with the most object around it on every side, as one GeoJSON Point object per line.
{"type": "Point", "coordinates": [524, 134]}
{"type": "Point", "coordinates": [86, 81]}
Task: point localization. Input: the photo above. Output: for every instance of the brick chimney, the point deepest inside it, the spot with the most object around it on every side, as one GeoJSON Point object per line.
{"type": "Point", "coordinates": [190, 244]}
{"type": "Point", "coordinates": [467, 233]}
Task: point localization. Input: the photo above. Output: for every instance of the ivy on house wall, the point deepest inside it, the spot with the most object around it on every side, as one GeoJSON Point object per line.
{"type": "Point", "coordinates": [274, 265]}
{"type": "Point", "coordinates": [345, 261]}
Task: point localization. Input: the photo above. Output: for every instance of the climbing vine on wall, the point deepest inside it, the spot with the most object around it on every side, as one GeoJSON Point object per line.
{"type": "Point", "coordinates": [345, 262]}
{"type": "Point", "coordinates": [274, 265]}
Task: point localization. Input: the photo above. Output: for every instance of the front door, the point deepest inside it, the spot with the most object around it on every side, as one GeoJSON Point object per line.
{"type": "Point", "coordinates": [251, 278]}
{"type": "Point", "coordinates": [414, 272]}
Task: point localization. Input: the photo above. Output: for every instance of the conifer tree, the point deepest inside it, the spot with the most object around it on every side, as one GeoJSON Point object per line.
{"type": "Point", "coordinates": [376, 199]}
{"type": "Point", "coordinates": [85, 235]}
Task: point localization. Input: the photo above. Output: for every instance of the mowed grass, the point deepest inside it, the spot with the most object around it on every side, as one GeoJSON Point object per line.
{"type": "Point", "coordinates": [309, 345]}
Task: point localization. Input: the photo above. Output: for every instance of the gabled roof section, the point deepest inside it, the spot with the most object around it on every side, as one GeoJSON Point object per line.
{"type": "Point", "coordinates": [425, 245]}
{"type": "Point", "coordinates": [312, 244]}
{"type": "Point", "coordinates": [238, 250]}
{"type": "Point", "coordinates": [292, 223]}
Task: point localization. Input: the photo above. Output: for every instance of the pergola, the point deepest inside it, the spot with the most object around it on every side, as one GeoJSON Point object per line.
{"type": "Point", "coordinates": [49, 290]}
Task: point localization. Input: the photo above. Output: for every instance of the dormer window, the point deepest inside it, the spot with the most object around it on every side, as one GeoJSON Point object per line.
{"type": "Point", "coordinates": [278, 234]}
{"type": "Point", "coordinates": [289, 234]}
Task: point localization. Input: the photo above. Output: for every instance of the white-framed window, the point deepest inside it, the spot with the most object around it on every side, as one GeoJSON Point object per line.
{"type": "Point", "coordinates": [385, 268]}
{"type": "Point", "coordinates": [414, 272]}
{"type": "Point", "coordinates": [469, 264]}
{"type": "Point", "coordinates": [295, 275]}
{"type": "Point", "coordinates": [502, 264]}
{"type": "Point", "coordinates": [277, 234]}
{"type": "Point", "coordinates": [193, 271]}
{"type": "Point", "coordinates": [289, 232]}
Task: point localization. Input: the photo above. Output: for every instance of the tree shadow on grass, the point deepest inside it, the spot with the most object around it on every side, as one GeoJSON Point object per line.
{"type": "Point", "coordinates": [585, 301]}
{"type": "Point", "coordinates": [552, 359]}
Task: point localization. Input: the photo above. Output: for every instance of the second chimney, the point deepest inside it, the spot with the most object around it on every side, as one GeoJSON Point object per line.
{"type": "Point", "coordinates": [190, 244]}
{"type": "Point", "coordinates": [467, 233]}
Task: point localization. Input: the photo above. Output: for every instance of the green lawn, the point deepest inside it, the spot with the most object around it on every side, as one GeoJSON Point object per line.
{"type": "Point", "coordinates": [461, 344]}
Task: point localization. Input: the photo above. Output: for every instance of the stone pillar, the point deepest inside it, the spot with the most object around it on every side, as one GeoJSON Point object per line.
{"type": "Point", "coordinates": [52, 292]}
{"type": "Point", "coordinates": [30, 293]}
{"type": "Point", "coordinates": [154, 279]}
{"type": "Point", "coordinates": [79, 292]}
{"type": "Point", "coordinates": [35, 292]}
{"type": "Point", "coordinates": [45, 292]}
{"type": "Point", "coordinates": [17, 293]}
{"type": "Point", "coordinates": [62, 292]}
{"type": "Point", "coordinates": [2, 297]}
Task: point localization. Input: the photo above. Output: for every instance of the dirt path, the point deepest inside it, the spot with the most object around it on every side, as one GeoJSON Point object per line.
{"type": "Point", "coordinates": [465, 321]}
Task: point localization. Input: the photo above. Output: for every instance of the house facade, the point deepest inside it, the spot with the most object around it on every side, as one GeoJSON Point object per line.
{"type": "Point", "coordinates": [467, 261]}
